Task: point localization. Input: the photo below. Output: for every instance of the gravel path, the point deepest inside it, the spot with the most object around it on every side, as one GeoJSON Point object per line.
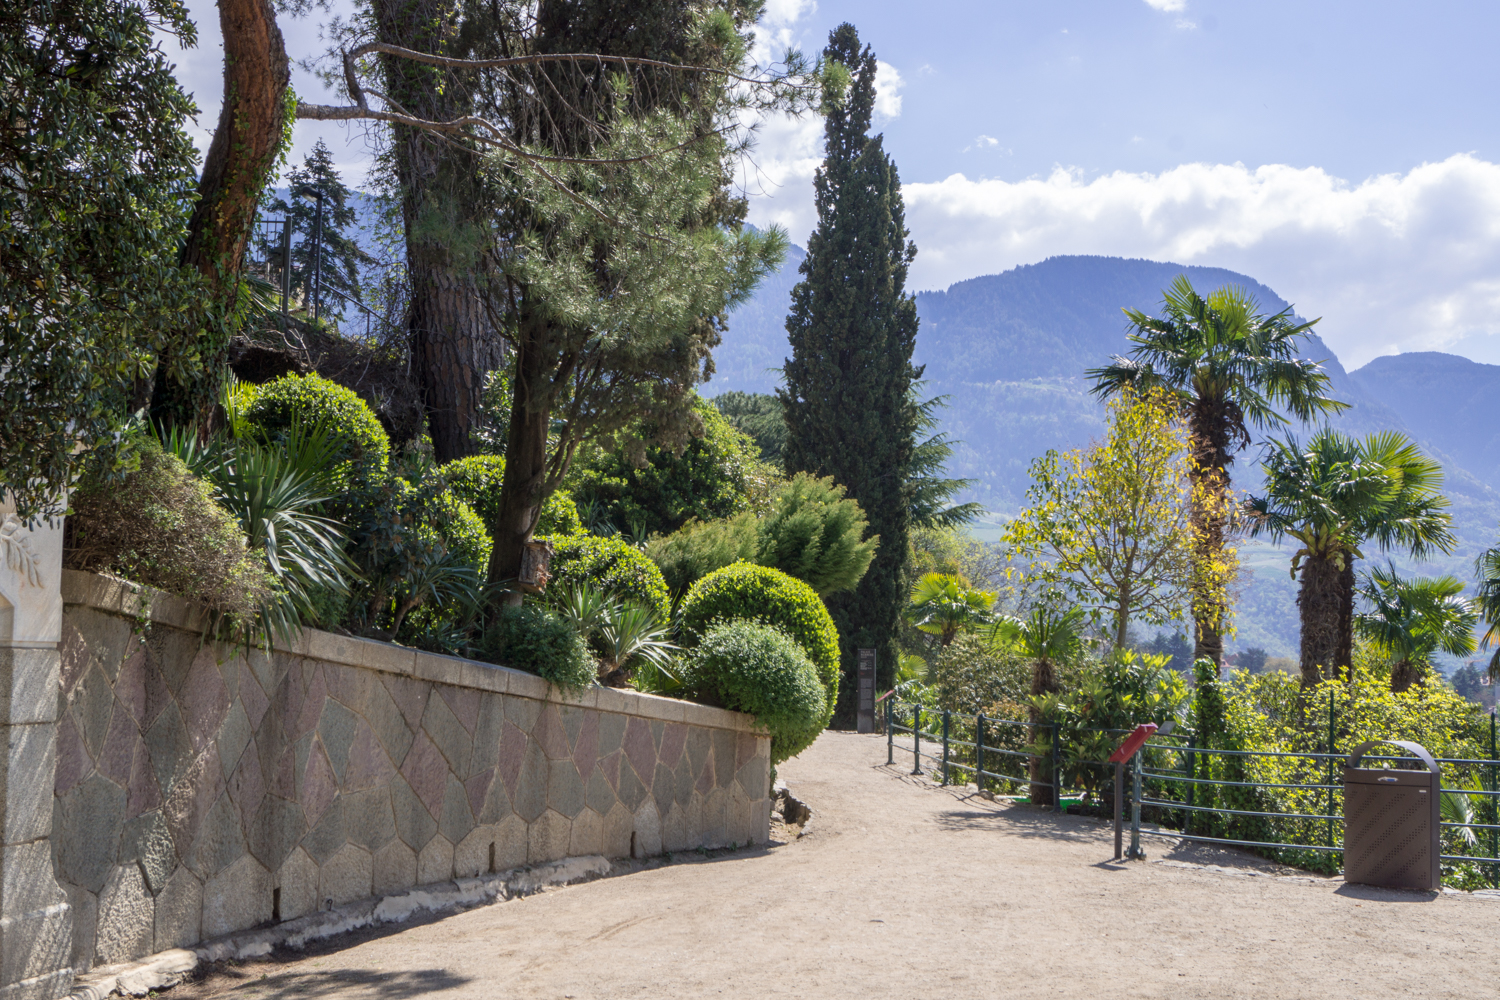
{"type": "Point", "coordinates": [905, 889]}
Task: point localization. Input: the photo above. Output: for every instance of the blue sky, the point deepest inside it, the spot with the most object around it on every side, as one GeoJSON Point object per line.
{"type": "Point", "coordinates": [1344, 153]}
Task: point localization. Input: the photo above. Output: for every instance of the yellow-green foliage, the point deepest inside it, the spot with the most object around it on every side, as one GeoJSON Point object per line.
{"type": "Point", "coordinates": [477, 480]}
{"type": "Point", "coordinates": [364, 448]}
{"type": "Point", "coordinates": [1270, 712]}
{"type": "Point", "coordinates": [771, 597]}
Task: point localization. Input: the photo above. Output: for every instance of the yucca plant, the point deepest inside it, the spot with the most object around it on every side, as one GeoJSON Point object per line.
{"type": "Point", "coordinates": [276, 493]}
{"type": "Point", "coordinates": [633, 638]}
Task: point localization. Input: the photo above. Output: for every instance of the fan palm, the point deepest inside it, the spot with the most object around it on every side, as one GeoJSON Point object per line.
{"type": "Point", "coordinates": [1044, 637]}
{"type": "Point", "coordinates": [1487, 570]}
{"type": "Point", "coordinates": [1414, 619]}
{"type": "Point", "coordinates": [943, 606]}
{"type": "Point", "coordinates": [1333, 495]}
{"type": "Point", "coordinates": [1232, 369]}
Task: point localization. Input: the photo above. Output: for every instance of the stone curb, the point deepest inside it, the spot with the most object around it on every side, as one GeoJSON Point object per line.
{"type": "Point", "coordinates": [168, 968]}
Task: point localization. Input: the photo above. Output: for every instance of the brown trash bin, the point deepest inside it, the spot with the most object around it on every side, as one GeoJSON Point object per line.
{"type": "Point", "coordinates": [1392, 822]}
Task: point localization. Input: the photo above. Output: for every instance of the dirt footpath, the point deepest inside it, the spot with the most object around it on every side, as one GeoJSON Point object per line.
{"type": "Point", "coordinates": [902, 889]}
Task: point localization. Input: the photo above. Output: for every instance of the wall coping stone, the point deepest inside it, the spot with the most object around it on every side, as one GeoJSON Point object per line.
{"type": "Point", "coordinates": [121, 597]}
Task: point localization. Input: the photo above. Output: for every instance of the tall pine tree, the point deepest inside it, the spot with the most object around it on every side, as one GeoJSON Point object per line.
{"type": "Point", "coordinates": [850, 413]}
{"type": "Point", "coordinates": [335, 250]}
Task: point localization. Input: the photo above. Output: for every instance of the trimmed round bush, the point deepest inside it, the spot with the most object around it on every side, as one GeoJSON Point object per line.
{"type": "Point", "coordinates": [754, 668]}
{"type": "Point", "coordinates": [476, 481]}
{"type": "Point", "coordinates": [744, 591]}
{"type": "Point", "coordinates": [611, 564]}
{"type": "Point", "coordinates": [459, 527]}
{"type": "Point", "coordinates": [311, 399]}
{"type": "Point", "coordinates": [532, 639]}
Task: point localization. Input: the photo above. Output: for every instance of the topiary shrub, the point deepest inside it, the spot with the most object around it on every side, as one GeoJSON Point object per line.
{"type": "Point", "coordinates": [160, 526]}
{"type": "Point", "coordinates": [754, 668]}
{"type": "Point", "coordinates": [771, 597]}
{"type": "Point", "coordinates": [610, 564]}
{"type": "Point", "coordinates": [363, 448]}
{"type": "Point", "coordinates": [532, 639]}
{"type": "Point", "coordinates": [476, 481]}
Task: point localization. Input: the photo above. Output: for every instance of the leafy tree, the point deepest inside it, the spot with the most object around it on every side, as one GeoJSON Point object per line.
{"type": "Point", "coordinates": [1046, 637]}
{"type": "Point", "coordinates": [94, 163]}
{"type": "Point", "coordinates": [848, 404]}
{"type": "Point", "coordinates": [757, 415]}
{"type": "Point", "coordinates": [811, 531]}
{"type": "Point", "coordinates": [644, 489]}
{"type": "Point", "coordinates": [1333, 495]}
{"type": "Point", "coordinates": [1230, 368]}
{"type": "Point", "coordinates": [1414, 619]}
{"type": "Point", "coordinates": [942, 606]}
{"type": "Point", "coordinates": [336, 258]}
{"type": "Point", "coordinates": [1114, 525]}
{"type": "Point", "coordinates": [817, 534]}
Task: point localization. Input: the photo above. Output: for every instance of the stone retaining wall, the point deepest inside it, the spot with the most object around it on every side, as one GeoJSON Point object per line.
{"type": "Point", "coordinates": [200, 790]}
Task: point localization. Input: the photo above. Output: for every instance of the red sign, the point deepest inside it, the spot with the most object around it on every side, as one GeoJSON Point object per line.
{"type": "Point", "coordinates": [1133, 742]}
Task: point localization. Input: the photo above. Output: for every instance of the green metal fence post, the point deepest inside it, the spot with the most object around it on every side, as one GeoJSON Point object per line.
{"type": "Point", "coordinates": [1056, 769]}
{"type": "Point", "coordinates": [979, 752]}
{"type": "Point", "coordinates": [1494, 816]}
{"type": "Point", "coordinates": [890, 731]}
{"type": "Point", "coordinates": [1135, 807]}
{"type": "Point", "coordinates": [945, 746]}
{"type": "Point", "coordinates": [1330, 768]}
{"type": "Point", "coordinates": [1192, 759]}
{"type": "Point", "coordinates": [916, 739]}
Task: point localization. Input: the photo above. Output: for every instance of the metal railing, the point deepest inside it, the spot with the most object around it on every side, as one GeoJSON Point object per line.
{"type": "Point", "coordinates": [1201, 793]}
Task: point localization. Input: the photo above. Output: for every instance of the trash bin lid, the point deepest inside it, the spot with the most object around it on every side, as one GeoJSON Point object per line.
{"type": "Point", "coordinates": [1355, 774]}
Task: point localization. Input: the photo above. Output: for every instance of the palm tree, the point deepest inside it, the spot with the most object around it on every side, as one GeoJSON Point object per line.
{"type": "Point", "coordinates": [942, 605]}
{"type": "Point", "coordinates": [1414, 619]}
{"type": "Point", "coordinates": [1044, 637]}
{"type": "Point", "coordinates": [1232, 369]}
{"type": "Point", "coordinates": [1487, 570]}
{"type": "Point", "coordinates": [1331, 496]}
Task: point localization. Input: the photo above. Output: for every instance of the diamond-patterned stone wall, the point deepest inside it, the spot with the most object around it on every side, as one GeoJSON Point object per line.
{"type": "Point", "coordinates": [202, 790]}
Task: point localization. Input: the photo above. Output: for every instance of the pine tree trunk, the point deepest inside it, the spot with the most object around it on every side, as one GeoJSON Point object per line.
{"type": "Point", "coordinates": [1318, 604]}
{"type": "Point", "coordinates": [1043, 681]}
{"type": "Point", "coordinates": [239, 162]}
{"type": "Point", "coordinates": [452, 342]}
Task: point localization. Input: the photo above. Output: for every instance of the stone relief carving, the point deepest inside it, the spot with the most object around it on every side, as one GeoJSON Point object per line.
{"type": "Point", "coordinates": [18, 555]}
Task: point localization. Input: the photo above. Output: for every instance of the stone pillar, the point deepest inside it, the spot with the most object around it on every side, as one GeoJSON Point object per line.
{"type": "Point", "coordinates": [36, 925]}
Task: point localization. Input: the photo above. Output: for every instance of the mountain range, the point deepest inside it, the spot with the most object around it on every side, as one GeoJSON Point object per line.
{"type": "Point", "coordinates": [1009, 352]}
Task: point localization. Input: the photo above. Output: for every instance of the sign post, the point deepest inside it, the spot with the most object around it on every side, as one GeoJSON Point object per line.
{"type": "Point", "coordinates": [1129, 748]}
{"type": "Point", "coordinates": [865, 704]}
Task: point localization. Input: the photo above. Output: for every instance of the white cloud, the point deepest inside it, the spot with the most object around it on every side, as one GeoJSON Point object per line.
{"type": "Point", "coordinates": [1170, 6]}
{"type": "Point", "coordinates": [1395, 262]}
{"type": "Point", "coordinates": [775, 31]}
{"type": "Point", "coordinates": [888, 84]}
{"type": "Point", "coordinates": [986, 141]}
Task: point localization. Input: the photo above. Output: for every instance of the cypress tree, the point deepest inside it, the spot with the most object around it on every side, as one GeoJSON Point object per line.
{"type": "Point", "coordinates": [850, 413]}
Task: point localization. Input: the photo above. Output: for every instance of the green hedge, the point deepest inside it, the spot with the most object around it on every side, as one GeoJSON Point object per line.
{"type": "Point", "coordinates": [761, 670]}
{"type": "Point", "coordinates": [477, 479]}
{"type": "Point", "coordinates": [771, 597]}
{"type": "Point", "coordinates": [533, 639]}
{"type": "Point", "coordinates": [364, 448]}
{"type": "Point", "coordinates": [614, 565]}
